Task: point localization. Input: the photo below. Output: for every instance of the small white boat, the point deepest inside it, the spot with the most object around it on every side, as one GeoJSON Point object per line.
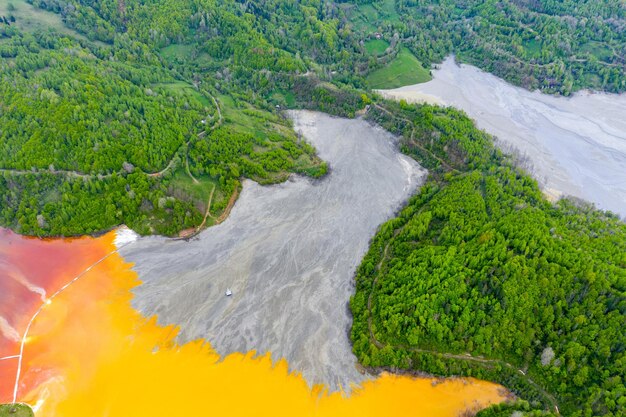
{"type": "Point", "coordinates": [228, 292]}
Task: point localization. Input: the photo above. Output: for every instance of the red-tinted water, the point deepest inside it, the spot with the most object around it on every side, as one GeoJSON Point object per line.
{"type": "Point", "coordinates": [89, 353]}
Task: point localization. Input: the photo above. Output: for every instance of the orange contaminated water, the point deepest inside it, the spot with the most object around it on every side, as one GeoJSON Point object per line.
{"type": "Point", "coordinates": [89, 353]}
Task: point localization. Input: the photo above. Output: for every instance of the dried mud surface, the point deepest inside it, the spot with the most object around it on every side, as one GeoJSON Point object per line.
{"type": "Point", "coordinates": [288, 252]}
{"type": "Point", "coordinates": [573, 146]}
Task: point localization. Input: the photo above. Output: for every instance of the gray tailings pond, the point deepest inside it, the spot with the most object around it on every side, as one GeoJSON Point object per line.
{"type": "Point", "coordinates": [288, 252]}
{"type": "Point", "coordinates": [573, 146]}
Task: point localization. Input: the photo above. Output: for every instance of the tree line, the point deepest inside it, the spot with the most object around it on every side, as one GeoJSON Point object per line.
{"type": "Point", "coordinates": [480, 262]}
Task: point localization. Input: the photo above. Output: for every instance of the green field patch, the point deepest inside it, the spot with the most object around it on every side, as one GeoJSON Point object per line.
{"type": "Point", "coordinates": [243, 118]}
{"type": "Point", "coordinates": [191, 55]}
{"type": "Point", "coordinates": [263, 125]}
{"type": "Point", "coordinates": [388, 11]}
{"type": "Point", "coordinates": [532, 47]}
{"type": "Point", "coordinates": [312, 167]}
{"type": "Point", "coordinates": [363, 26]}
{"type": "Point", "coordinates": [363, 18]}
{"type": "Point", "coordinates": [204, 59]}
{"type": "Point", "coordinates": [185, 89]}
{"type": "Point", "coordinates": [597, 49]}
{"type": "Point", "coordinates": [368, 12]}
{"type": "Point", "coordinates": [405, 69]}
{"type": "Point", "coordinates": [177, 52]}
{"type": "Point", "coordinates": [272, 134]}
{"type": "Point", "coordinates": [283, 98]}
{"type": "Point", "coordinates": [198, 192]}
{"type": "Point", "coordinates": [16, 410]}
{"type": "Point", "coordinates": [30, 18]}
{"type": "Point", "coordinates": [376, 46]}
{"type": "Point", "coordinates": [368, 17]}
{"type": "Point", "coordinates": [592, 79]}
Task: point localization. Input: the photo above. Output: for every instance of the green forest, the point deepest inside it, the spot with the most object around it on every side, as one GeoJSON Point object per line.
{"type": "Point", "coordinates": [119, 101]}
{"type": "Point", "coordinates": [97, 130]}
{"type": "Point", "coordinates": [480, 275]}
{"type": "Point", "coordinates": [150, 113]}
{"type": "Point", "coordinates": [556, 46]}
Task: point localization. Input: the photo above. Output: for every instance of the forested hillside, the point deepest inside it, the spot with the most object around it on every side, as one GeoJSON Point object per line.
{"type": "Point", "coordinates": [150, 112]}
{"type": "Point", "coordinates": [185, 95]}
{"type": "Point", "coordinates": [480, 275]}
{"type": "Point", "coordinates": [133, 127]}
{"type": "Point", "coordinates": [68, 108]}
{"type": "Point", "coordinates": [95, 136]}
{"type": "Point", "coordinates": [557, 46]}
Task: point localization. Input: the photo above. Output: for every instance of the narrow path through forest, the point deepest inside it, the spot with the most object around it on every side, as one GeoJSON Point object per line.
{"type": "Point", "coordinates": [412, 138]}
{"type": "Point", "coordinates": [464, 357]}
{"type": "Point", "coordinates": [77, 174]}
{"type": "Point", "coordinates": [192, 232]}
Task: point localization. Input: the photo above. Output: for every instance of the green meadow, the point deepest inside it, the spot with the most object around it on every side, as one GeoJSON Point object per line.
{"type": "Point", "coordinates": [405, 69]}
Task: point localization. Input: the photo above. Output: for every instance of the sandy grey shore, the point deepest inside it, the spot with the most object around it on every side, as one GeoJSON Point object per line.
{"type": "Point", "coordinates": [288, 252]}
{"type": "Point", "coordinates": [574, 146]}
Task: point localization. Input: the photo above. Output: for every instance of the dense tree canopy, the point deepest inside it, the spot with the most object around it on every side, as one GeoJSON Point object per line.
{"type": "Point", "coordinates": [151, 111]}
{"type": "Point", "coordinates": [480, 263]}
{"type": "Point", "coordinates": [67, 108]}
{"type": "Point", "coordinates": [558, 46]}
{"type": "Point", "coordinates": [83, 123]}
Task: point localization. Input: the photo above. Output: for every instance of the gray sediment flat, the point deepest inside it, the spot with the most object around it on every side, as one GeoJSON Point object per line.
{"type": "Point", "coordinates": [288, 252]}
{"type": "Point", "coordinates": [573, 146]}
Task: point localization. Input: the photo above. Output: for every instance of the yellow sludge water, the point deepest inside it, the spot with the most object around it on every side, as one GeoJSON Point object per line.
{"type": "Point", "coordinates": [89, 353]}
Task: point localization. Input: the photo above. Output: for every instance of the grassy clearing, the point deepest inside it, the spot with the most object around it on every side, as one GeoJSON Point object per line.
{"type": "Point", "coordinates": [388, 11]}
{"type": "Point", "coordinates": [188, 90]}
{"type": "Point", "coordinates": [368, 17]}
{"type": "Point", "coordinates": [532, 47]}
{"type": "Point", "coordinates": [283, 98]}
{"type": "Point", "coordinates": [376, 46]}
{"type": "Point", "coordinates": [308, 166]}
{"type": "Point", "coordinates": [177, 52]}
{"type": "Point", "coordinates": [197, 192]}
{"type": "Point", "coordinates": [598, 49]}
{"type": "Point", "coordinates": [592, 79]}
{"type": "Point", "coordinates": [29, 18]}
{"type": "Point", "coordinates": [368, 12]}
{"type": "Point", "coordinates": [270, 132]}
{"type": "Point", "coordinates": [405, 69]}
{"type": "Point", "coordinates": [190, 55]}
{"type": "Point", "coordinates": [245, 119]}
{"type": "Point", "coordinates": [364, 18]}
{"type": "Point", "coordinates": [183, 187]}
{"type": "Point", "coordinates": [16, 410]}
{"type": "Point", "coordinates": [205, 60]}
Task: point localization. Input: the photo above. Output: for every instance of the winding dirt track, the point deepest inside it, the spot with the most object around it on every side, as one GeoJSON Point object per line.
{"type": "Point", "coordinates": [77, 174]}
{"type": "Point", "coordinates": [464, 357]}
